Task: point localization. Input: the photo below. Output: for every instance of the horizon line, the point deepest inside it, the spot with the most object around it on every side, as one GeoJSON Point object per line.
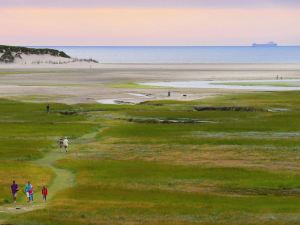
{"type": "Point", "coordinates": [292, 45]}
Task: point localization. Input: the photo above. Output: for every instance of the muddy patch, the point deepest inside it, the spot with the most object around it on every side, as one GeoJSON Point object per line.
{"type": "Point", "coordinates": [168, 121]}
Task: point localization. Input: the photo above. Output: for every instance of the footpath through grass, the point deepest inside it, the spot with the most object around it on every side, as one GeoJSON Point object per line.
{"type": "Point", "coordinates": [128, 166]}
{"type": "Point", "coordinates": [28, 149]}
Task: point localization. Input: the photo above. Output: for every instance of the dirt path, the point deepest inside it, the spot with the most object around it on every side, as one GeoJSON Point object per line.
{"type": "Point", "coordinates": [63, 178]}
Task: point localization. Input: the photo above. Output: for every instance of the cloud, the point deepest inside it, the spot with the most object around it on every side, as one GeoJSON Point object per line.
{"type": "Point", "coordinates": [149, 3]}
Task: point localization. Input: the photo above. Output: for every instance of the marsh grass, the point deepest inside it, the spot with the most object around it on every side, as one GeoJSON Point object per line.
{"type": "Point", "coordinates": [242, 169]}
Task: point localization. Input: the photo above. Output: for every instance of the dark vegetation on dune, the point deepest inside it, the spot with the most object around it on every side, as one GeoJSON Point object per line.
{"type": "Point", "coordinates": [11, 52]}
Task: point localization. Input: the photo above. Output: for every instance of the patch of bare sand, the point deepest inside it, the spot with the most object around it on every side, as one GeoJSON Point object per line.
{"type": "Point", "coordinates": [19, 209]}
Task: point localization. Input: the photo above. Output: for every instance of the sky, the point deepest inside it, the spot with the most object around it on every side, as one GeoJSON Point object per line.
{"type": "Point", "coordinates": [149, 22]}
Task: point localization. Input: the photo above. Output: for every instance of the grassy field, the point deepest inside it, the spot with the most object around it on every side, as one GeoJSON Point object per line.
{"type": "Point", "coordinates": [132, 166]}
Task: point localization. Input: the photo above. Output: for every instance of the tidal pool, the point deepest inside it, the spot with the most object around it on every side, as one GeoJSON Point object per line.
{"type": "Point", "coordinates": [260, 85]}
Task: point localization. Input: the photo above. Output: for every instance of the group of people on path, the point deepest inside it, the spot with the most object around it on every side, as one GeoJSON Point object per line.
{"type": "Point", "coordinates": [28, 190]}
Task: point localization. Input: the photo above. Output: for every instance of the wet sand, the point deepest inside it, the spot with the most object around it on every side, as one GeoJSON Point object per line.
{"type": "Point", "coordinates": [82, 85]}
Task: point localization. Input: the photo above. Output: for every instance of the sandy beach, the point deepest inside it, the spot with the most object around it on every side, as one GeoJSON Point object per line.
{"type": "Point", "coordinates": [82, 83]}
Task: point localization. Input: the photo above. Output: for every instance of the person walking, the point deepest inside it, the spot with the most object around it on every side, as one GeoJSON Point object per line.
{"type": "Point", "coordinates": [27, 189]}
{"type": "Point", "coordinates": [48, 108]}
{"type": "Point", "coordinates": [31, 193]}
{"type": "Point", "coordinates": [61, 143]}
{"type": "Point", "coordinates": [45, 193]}
{"type": "Point", "coordinates": [14, 190]}
{"type": "Point", "coordinates": [66, 144]}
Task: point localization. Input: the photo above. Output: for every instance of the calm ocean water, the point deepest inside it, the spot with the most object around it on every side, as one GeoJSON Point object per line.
{"type": "Point", "coordinates": [289, 54]}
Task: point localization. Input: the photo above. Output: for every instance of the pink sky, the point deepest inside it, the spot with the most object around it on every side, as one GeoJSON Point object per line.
{"type": "Point", "coordinates": [150, 3]}
{"type": "Point", "coordinates": [149, 25]}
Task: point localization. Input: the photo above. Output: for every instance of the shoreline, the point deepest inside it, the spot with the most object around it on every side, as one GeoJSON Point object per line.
{"type": "Point", "coordinates": [209, 66]}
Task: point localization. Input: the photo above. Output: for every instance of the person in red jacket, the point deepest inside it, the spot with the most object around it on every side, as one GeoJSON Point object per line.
{"type": "Point", "coordinates": [44, 193]}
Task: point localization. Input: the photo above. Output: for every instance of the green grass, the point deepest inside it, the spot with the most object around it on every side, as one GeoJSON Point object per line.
{"type": "Point", "coordinates": [132, 86]}
{"type": "Point", "coordinates": [241, 169]}
{"type": "Point", "coordinates": [124, 173]}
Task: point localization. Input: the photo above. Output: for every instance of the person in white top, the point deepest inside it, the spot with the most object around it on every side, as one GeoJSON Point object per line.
{"type": "Point", "coordinates": [66, 143]}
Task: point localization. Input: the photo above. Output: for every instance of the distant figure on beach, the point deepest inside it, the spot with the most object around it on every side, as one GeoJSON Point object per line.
{"type": "Point", "coordinates": [61, 143]}
{"type": "Point", "coordinates": [29, 192]}
{"type": "Point", "coordinates": [66, 144]}
{"type": "Point", "coordinates": [48, 108]}
{"type": "Point", "coordinates": [45, 193]}
{"type": "Point", "coordinates": [14, 190]}
{"type": "Point", "coordinates": [169, 93]}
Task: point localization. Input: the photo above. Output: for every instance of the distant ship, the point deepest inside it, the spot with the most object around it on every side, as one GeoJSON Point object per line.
{"type": "Point", "coordinates": [270, 44]}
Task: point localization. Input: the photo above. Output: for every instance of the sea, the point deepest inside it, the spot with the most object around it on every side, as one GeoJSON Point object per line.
{"type": "Point", "coordinates": [183, 54]}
